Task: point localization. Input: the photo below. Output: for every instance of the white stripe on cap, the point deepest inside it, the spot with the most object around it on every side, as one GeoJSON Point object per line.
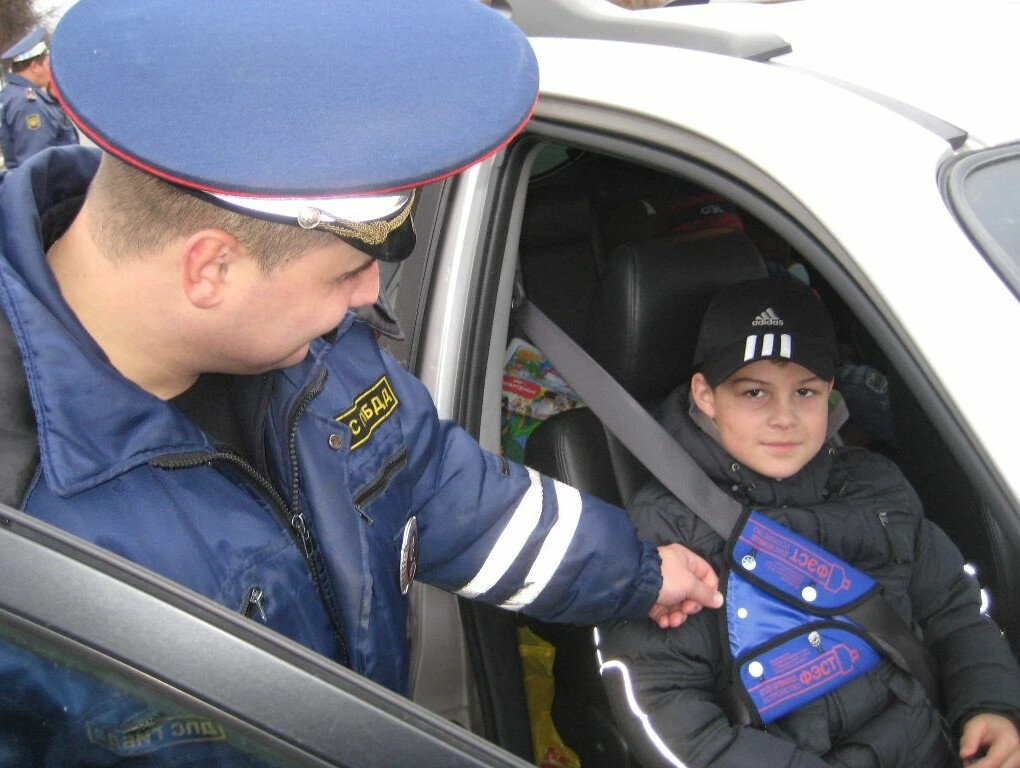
{"type": "Point", "coordinates": [767, 344]}
{"type": "Point", "coordinates": [785, 345]}
{"type": "Point", "coordinates": [750, 347]}
{"type": "Point", "coordinates": [510, 542]}
{"type": "Point", "coordinates": [36, 50]}
{"type": "Point", "coordinates": [568, 502]}
{"type": "Point", "coordinates": [360, 209]}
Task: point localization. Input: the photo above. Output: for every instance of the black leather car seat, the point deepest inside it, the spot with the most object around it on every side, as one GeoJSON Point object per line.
{"type": "Point", "coordinates": [559, 254]}
{"type": "Point", "coordinates": [642, 328]}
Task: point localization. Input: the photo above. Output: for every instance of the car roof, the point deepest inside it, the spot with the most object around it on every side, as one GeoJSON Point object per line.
{"type": "Point", "coordinates": [952, 60]}
{"type": "Point", "coordinates": [947, 59]}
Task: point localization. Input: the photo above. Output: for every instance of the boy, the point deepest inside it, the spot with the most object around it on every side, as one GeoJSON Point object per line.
{"type": "Point", "coordinates": [756, 418]}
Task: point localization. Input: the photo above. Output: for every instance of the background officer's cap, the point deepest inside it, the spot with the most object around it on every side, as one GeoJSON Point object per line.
{"type": "Point", "coordinates": [320, 113]}
{"type": "Point", "coordinates": [31, 45]}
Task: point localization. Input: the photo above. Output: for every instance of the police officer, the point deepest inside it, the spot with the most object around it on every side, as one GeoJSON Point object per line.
{"type": "Point", "coordinates": [195, 313]}
{"type": "Point", "coordinates": [30, 118]}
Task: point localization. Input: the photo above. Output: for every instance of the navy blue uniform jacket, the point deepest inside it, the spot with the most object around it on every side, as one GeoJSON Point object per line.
{"type": "Point", "coordinates": [30, 121]}
{"type": "Point", "coordinates": [345, 448]}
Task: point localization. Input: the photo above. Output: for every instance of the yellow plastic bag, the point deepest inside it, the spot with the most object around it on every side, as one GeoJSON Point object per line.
{"type": "Point", "coordinates": [537, 662]}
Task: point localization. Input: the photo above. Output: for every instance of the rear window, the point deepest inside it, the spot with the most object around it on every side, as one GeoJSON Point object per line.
{"type": "Point", "coordinates": [983, 191]}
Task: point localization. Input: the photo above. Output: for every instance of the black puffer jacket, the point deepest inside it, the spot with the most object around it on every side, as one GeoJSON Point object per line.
{"type": "Point", "coordinates": [858, 506]}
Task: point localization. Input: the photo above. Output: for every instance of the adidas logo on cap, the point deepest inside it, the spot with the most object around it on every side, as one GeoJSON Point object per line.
{"type": "Point", "coordinates": [768, 317]}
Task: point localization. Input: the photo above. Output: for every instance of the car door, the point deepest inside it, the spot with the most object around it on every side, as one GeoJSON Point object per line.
{"type": "Point", "coordinates": [207, 684]}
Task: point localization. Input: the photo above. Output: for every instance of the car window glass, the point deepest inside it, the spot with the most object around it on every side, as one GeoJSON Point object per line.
{"type": "Point", "coordinates": [552, 158]}
{"type": "Point", "coordinates": [983, 189]}
{"type": "Point", "coordinates": [126, 721]}
{"type": "Point", "coordinates": [992, 192]}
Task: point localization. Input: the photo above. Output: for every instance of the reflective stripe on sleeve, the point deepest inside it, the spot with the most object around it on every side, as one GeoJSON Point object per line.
{"type": "Point", "coordinates": [510, 542]}
{"type": "Point", "coordinates": [568, 501]}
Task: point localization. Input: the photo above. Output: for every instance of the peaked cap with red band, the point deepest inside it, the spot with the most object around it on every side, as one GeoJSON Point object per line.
{"type": "Point", "coordinates": [321, 113]}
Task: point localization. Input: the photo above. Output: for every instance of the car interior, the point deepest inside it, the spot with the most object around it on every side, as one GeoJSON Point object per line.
{"type": "Point", "coordinates": [625, 258]}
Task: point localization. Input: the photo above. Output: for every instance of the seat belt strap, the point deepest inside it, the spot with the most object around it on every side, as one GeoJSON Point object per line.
{"type": "Point", "coordinates": [626, 418]}
{"type": "Point", "coordinates": [671, 465]}
{"type": "Point", "coordinates": [897, 641]}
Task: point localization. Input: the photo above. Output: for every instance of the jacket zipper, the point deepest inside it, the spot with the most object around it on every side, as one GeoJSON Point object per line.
{"type": "Point", "coordinates": [291, 516]}
{"type": "Point", "coordinates": [254, 601]}
{"type": "Point", "coordinates": [883, 518]}
{"type": "Point", "coordinates": [297, 517]}
{"type": "Point", "coordinates": [192, 460]}
{"type": "Point", "coordinates": [378, 483]}
{"type": "Point", "coordinates": [295, 413]}
{"type": "Point", "coordinates": [303, 537]}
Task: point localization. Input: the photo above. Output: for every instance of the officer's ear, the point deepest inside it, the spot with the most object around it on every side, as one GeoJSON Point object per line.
{"type": "Point", "coordinates": [209, 262]}
{"type": "Point", "coordinates": [703, 395]}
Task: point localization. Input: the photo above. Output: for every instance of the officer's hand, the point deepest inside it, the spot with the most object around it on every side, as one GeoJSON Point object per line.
{"type": "Point", "coordinates": [990, 741]}
{"type": "Point", "coordinates": [688, 584]}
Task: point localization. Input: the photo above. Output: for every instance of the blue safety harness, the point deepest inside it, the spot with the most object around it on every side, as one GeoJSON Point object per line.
{"type": "Point", "coordinates": [800, 622]}
{"type": "Point", "coordinates": [788, 632]}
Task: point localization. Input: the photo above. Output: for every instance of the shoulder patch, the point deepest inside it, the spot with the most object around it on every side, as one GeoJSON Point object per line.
{"type": "Point", "coordinates": [33, 121]}
{"type": "Point", "coordinates": [369, 409]}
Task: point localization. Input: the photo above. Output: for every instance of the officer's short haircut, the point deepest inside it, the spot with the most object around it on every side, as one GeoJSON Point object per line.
{"type": "Point", "coordinates": [137, 213]}
{"type": "Point", "coordinates": [21, 66]}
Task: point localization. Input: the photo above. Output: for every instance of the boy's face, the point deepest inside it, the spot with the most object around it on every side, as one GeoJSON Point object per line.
{"type": "Point", "coordinates": [772, 416]}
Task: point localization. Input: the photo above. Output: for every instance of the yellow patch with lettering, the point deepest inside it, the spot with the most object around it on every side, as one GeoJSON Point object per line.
{"type": "Point", "coordinates": [369, 409]}
{"type": "Point", "coordinates": [33, 121]}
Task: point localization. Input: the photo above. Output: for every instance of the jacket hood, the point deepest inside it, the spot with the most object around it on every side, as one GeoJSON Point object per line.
{"type": "Point", "coordinates": [698, 435]}
{"type": "Point", "coordinates": [93, 424]}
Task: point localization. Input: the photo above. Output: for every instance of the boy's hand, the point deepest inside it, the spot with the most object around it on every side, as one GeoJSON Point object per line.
{"type": "Point", "coordinates": [990, 741]}
{"type": "Point", "coordinates": [688, 583]}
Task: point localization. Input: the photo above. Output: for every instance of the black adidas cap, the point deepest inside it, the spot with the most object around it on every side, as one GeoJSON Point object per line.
{"type": "Point", "coordinates": [769, 319]}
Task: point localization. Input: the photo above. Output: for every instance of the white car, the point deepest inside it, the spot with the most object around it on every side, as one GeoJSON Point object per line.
{"type": "Point", "coordinates": [875, 144]}
{"type": "Point", "coordinates": [873, 148]}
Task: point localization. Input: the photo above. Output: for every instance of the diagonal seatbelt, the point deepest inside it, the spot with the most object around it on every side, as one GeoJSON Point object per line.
{"type": "Point", "coordinates": [626, 418]}
{"type": "Point", "coordinates": [672, 466]}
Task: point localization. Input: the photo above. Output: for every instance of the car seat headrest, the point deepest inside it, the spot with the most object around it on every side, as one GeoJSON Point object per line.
{"type": "Point", "coordinates": [556, 214]}
{"type": "Point", "coordinates": [644, 319]}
